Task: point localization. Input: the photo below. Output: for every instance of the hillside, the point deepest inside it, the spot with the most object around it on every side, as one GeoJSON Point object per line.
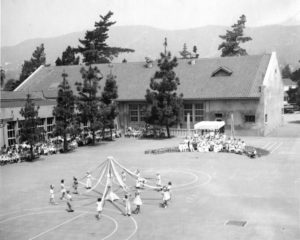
{"type": "Point", "coordinates": [147, 41]}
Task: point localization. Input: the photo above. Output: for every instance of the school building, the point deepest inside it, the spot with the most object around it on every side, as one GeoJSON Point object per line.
{"type": "Point", "coordinates": [248, 87]}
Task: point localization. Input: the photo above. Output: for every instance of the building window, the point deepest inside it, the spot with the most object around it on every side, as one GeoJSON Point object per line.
{"type": "Point", "coordinates": [50, 124]}
{"type": "Point", "coordinates": [199, 112]}
{"type": "Point", "coordinates": [266, 117]}
{"type": "Point", "coordinates": [134, 112]}
{"type": "Point", "coordinates": [11, 134]}
{"type": "Point", "coordinates": [137, 112]}
{"type": "Point", "coordinates": [142, 110]}
{"type": "Point", "coordinates": [218, 116]}
{"type": "Point", "coordinates": [40, 124]}
{"type": "Point", "coordinates": [250, 118]}
{"type": "Point", "coordinates": [188, 108]}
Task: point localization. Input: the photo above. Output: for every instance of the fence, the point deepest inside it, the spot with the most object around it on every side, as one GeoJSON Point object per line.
{"type": "Point", "coordinates": [181, 132]}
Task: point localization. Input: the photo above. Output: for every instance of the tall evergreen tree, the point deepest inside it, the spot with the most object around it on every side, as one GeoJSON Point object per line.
{"type": "Point", "coordinates": [185, 53]}
{"type": "Point", "coordinates": [2, 77]}
{"type": "Point", "coordinates": [38, 58]}
{"type": "Point", "coordinates": [109, 106]}
{"type": "Point", "coordinates": [64, 110]}
{"type": "Point", "coordinates": [286, 72]}
{"type": "Point", "coordinates": [163, 103]}
{"type": "Point", "coordinates": [233, 39]}
{"type": "Point", "coordinates": [68, 58]}
{"type": "Point", "coordinates": [29, 130]}
{"type": "Point", "coordinates": [88, 101]}
{"type": "Point", "coordinates": [94, 47]}
{"type": "Point", "coordinates": [296, 78]}
{"type": "Point", "coordinates": [10, 85]}
{"type": "Point", "coordinates": [195, 51]}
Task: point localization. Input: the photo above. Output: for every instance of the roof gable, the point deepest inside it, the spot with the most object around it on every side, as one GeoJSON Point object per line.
{"type": "Point", "coordinates": [221, 72]}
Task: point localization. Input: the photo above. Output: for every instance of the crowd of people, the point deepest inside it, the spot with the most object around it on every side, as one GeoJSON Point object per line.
{"type": "Point", "coordinates": [212, 142]}
{"type": "Point", "coordinates": [21, 152]}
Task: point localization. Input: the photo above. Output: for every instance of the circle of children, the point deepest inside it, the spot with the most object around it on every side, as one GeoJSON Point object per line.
{"type": "Point", "coordinates": [131, 195]}
{"type": "Point", "coordinates": [215, 142]}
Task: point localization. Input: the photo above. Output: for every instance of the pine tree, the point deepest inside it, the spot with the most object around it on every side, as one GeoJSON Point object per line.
{"type": "Point", "coordinates": [94, 47]}
{"type": "Point", "coordinates": [185, 53]}
{"type": "Point", "coordinates": [38, 58]}
{"type": "Point", "coordinates": [195, 51]}
{"type": "Point", "coordinates": [109, 107]}
{"type": "Point", "coordinates": [64, 110]}
{"type": "Point", "coordinates": [10, 85]}
{"type": "Point", "coordinates": [296, 78]}
{"type": "Point", "coordinates": [233, 39]}
{"type": "Point", "coordinates": [286, 72]}
{"type": "Point", "coordinates": [163, 103]}
{"type": "Point", "coordinates": [88, 101]}
{"type": "Point", "coordinates": [68, 58]}
{"type": "Point", "coordinates": [58, 62]}
{"type": "Point", "coordinates": [2, 77]}
{"type": "Point", "coordinates": [29, 130]}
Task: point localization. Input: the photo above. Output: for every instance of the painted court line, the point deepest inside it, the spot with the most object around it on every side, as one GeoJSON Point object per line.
{"type": "Point", "coordinates": [135, 229]}
{"type": "Point", "coordinates": [266, 145]}
{"type": "Point", "coordinates": [57, 226]}
{"type": "Point", "coordinates": [271, 146]}
{"type": "Point", "coordinates": [277, 147]}
{"type": "Point", "coordinates": [27, 214]}
{"type": "Point", "coordinates": [82, 213]}
{"type": "Point", "coordinates": [116, 227]}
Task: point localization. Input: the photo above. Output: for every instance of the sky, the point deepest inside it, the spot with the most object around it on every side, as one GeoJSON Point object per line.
{"type": "Point", "coordinates": [27, 19]}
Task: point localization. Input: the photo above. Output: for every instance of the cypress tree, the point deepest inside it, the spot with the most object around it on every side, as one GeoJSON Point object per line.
{"type": "Point", "coordinates": [109, 106]}
{"type": "Point", "coordinates": [64, 110]}
{"type": "Point", "coordinates": [88, 101]}
{"type": "Point", "coordinates": [163, 103]}
{"type": "Point", "coordinates": [29, 130]}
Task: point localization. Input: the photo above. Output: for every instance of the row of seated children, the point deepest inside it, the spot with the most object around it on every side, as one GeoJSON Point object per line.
{"type": "Point", "coordinates": [212, 143]}
{"type": "Point", "coordinates": [15, 153]}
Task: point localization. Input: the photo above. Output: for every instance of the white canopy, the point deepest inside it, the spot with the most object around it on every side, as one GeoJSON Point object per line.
{"type": "Point", "coordinates": [209, 125]}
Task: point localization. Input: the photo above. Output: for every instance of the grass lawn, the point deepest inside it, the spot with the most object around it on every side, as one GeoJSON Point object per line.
{"type": "Point", "coordinates": [209, 189]}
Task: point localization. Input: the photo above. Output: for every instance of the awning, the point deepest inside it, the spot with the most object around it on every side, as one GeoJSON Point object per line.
{"type": "Point", "coordinates": [209, 125]}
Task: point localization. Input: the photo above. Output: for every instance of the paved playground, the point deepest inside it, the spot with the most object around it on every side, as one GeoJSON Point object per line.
{"type": "Point", "coordinates": [214, 195]}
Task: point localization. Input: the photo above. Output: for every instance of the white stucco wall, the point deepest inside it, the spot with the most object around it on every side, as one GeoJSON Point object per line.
{"type": "Point", "coordinates": [271, 101]}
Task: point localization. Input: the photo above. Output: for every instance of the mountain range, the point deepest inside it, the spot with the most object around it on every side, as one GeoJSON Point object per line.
{"type": "Point", "coordinates": [148, 42]}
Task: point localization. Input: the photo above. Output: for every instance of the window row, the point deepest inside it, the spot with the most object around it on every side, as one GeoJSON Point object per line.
{"type": "Point", "coordinates": [196, 112]}
{"type": "Point", "coordinates": [137, 112]}
{"type": "Point", "coordinates": [12, 128]}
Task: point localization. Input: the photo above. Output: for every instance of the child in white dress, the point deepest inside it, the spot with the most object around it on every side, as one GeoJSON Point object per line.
{"type": "Point", "coordinates": [99, 208]}
{"type": "Point", "coordinates": [166, 197]}
{"type": "Point", "coordinates": [88, 180]}
{"type": "Point", "coordinates": [62, 189]}
{"type": "Point", "coordinates": [69, 199]}
{"type": "Point", "coordinates": [52, 201]}
{"type": "Point", "coordinates": [138, 202]}
{"type": "Point", "coordinates": [127, 205]}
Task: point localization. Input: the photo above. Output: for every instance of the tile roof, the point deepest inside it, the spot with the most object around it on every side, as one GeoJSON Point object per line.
{"type": "Point", "coordinates": [17, 98]}
{"type": "Point", "coordinates": [196, 80]}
